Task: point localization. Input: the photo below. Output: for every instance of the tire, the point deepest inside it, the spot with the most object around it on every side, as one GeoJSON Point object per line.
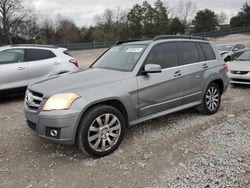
{"type": "Point", "coordinates": [101, 131]}
{"type": "Point", "coordinates": [211, 100]}
{"type": "Point", "coordinates": [228, 58]}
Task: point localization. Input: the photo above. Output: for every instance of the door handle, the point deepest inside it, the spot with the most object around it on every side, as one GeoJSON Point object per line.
{"type": "Point", "coordinates": [177, 73]}
{"type": "Point", "coordinates": [21, 68]}
{"type": "Point", "coordinates": [56, 63]}
{"type": "Point", "coordinates": [204, 66]}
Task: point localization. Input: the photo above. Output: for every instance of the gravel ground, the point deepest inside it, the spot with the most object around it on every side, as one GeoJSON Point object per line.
{"type": "Point", "coordinates": [234, 38]}
{"type": "Point", "coordinates": [185, 149]}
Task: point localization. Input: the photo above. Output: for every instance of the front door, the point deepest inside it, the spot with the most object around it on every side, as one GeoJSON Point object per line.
{"type": "Point", "coordinates": [161, 91]}
{"type": "Point", "coordinates": [13, 69]}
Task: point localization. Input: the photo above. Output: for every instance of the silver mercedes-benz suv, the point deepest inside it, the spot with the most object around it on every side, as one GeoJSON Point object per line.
{"type": "Point", "coordinates": [130, 83]}
{"type": "Point", "coordinates": [21, 65]}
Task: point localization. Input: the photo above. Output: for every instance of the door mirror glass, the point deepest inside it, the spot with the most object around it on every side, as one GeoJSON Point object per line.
{"type": "Point", "coordinates": [152, 68]}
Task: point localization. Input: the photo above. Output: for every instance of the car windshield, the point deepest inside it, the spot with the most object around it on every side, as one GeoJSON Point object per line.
{"type": "Point", "coordinates": [226, 48]}
{"type": "Point", "coordinates": [245, 56]}
{"type": "Point", "coordinates": [122, 57]}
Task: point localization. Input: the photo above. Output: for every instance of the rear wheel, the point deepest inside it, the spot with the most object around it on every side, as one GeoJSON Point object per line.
{"type": "Point", "coordinates": [211, 100]}
{"type": "Point", "coordinates": [101, 131]}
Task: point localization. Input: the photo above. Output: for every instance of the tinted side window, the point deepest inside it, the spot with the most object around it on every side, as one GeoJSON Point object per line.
{"type": "Point", "coordinates": [11, 56]}
{"type": "Point", "coordinates": [164, 54]}
{"type": "Point", "coordinates": [39, 54]}
{"type": "Point", "coordinates": [188, 53]}
{"type": "Point", "coordinates": [241, 46]}
{"type": "Point", "coordinates": [208, 51]}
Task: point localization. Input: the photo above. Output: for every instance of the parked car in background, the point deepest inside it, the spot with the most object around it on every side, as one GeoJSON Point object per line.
{"type": "Point", "coordinates": [239, 70]}
{"type": "Point", "coordinates": [130, 83]}
{"type": "Point", "coordinates": [227, 50]}
{"type": "Point", "coordinates": [234, 55]}
{"type": "Point", "coordinates": [21, 65]}
{"type": "Point", "coordinates": [224, 49]}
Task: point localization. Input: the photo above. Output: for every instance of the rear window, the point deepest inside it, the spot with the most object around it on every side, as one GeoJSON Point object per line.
{"type": "Point", "coordinates": [188, 53]}
{"type": "Point", "coordinates": [208, 51]}
{"type": "Point", "coordinates": [39, 54]}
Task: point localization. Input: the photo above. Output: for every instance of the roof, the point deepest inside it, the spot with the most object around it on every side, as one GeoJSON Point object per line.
{"type": "Point", "coordinates": [161, 37]}
{"type": "Point", "coordinates": [140, 42]}
{"type": "Point", "coordinates": [34, 45]}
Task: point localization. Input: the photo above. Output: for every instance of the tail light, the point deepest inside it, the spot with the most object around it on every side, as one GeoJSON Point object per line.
{"type": "Point", "coordinates": [75, 62]}
{"type": "Point", "coordinates": [225, 67]}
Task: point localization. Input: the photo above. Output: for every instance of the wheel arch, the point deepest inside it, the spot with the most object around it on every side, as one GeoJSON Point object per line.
{"type": "Point", "coordinates": [116, 103]}
{"type": "Point", "coordinates": [220, 83]}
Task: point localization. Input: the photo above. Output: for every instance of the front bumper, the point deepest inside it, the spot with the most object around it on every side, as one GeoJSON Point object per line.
{"type": "Point", "coordinates": [66, 121]}
{"type": "Point", "coordinates": [239, 78]}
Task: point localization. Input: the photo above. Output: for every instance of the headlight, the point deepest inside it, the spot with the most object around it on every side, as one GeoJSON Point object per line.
{"type": "Point", "coordinates": [60, 101]}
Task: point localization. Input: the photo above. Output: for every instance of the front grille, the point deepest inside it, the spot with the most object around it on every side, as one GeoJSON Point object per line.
{"type": "Point", "coordinates": [33, 100]}
{"type": "Point", "coordinates": [240, 72]}
{"type": "Point", "coordinates": [31, 125]}
{"type": "Point", "coordinates": [240, 80]}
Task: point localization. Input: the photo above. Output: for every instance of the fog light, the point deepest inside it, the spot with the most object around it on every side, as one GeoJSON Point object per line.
{"type": "Point", "coordinates": [53, 132]}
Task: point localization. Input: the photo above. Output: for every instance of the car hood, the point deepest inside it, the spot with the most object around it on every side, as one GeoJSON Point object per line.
{"type": "Point", "coordinates": [239, 65]}
{"type": "Point", "coordinates": [83, 79]}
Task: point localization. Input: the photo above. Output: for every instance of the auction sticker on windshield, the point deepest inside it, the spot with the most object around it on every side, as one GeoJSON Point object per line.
{"type": "Point", "coordinates": [134, 50]}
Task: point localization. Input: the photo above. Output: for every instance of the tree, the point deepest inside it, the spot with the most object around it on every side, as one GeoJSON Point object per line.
{"type": "Point", "coordinates": [176, 27]}
{"type": "Point", "coordinates": [148, 21]}
{"type": "Point", "coordinates": [205, 20]}
{"type": "Point", "coordinates": [243, 17]}
{"type": "Point", "coordinates": [66, 30]}
{"type": "Point", "coordinates": [135, 21]}
{"type": "Point", "coordinates": [222, 18]}
{"type": "Point", "coordinates": [28, 29]}
{"type": "Point", "coordinates": [47, 32]}
{"type": "Point", "coordinates": [185, 11]}
{"type": "Point", "coordinates": [12, 14]}
{"type": "Point", "coordinates": [160, 18]}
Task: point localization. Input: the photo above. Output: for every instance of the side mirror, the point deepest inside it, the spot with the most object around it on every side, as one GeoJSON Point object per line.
{"type": "Point", "coordinates": [152, 68]}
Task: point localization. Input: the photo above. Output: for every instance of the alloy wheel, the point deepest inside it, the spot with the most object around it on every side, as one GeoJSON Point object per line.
{"type": "Point", "coordinates": [104, 132]}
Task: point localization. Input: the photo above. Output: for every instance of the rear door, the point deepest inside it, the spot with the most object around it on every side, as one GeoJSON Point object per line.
{"type": "Point", "coordinates": [161, 91]}
{"type": "Point", "coordinates": [13, 69]}
{"type": "Point", "coordinates": [42, 63]}
{"type": "Point", "coordinates": [191, 60]}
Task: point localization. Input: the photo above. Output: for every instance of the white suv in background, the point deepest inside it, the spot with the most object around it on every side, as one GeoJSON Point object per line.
{"type": "Point", "coordinates": [21, 65]}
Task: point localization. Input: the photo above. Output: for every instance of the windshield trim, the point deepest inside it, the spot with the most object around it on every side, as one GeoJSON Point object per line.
{"type": "Point", "coordinates": [122, 70]}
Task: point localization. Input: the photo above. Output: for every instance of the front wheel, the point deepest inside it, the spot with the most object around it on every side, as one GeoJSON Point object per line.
{"type": "Point", "coordinates": [211, 100]}
{"type": "Point", "coordinates": [101, 131]}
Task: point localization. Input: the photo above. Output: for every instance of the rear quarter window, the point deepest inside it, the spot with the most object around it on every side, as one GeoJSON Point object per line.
{"type": "Point", "coordinates": [39, 54]}
{"type": "Point", "coordinates": [208, 51]}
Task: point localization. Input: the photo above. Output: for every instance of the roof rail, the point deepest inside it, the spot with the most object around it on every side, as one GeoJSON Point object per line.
{"type": "Point", "coordinates": [179, 37]}
{"type": "Point", "coordinates": [127, 41]}
{"type": "Point", "coordinates": [34, 45]}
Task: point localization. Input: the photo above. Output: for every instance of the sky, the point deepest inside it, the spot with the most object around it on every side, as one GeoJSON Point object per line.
{"type": "Point", "coordinates": [83, 12]}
